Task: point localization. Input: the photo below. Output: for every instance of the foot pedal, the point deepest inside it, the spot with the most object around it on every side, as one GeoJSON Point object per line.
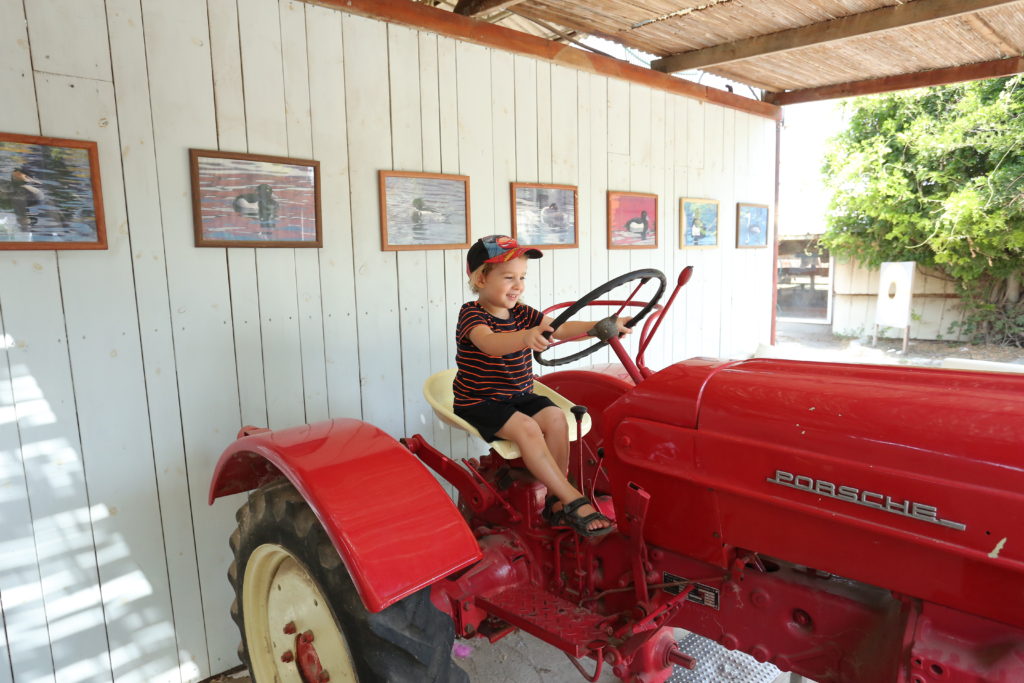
{"type": "Point", "coordinates": [494, 629]}
{"type": "Point", "coordinates": [556, 621]}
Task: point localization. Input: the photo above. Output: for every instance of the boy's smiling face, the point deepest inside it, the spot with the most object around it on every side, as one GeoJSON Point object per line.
{"type": "Point", "coordinates": [501, 288]}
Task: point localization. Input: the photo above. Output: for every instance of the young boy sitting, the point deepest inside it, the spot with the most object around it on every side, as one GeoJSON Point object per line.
{"type": "Point", "coordinates": [493, 387]}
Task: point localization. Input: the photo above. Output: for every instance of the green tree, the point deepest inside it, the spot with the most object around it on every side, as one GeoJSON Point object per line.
{"type": "Point", "coordinates": [936, 176]}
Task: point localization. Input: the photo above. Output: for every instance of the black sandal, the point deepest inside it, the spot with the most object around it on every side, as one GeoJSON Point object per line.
{"type": "Point", "coordinates": [547, 514]}
{"type": "Point", "coordinates": [580, 524]}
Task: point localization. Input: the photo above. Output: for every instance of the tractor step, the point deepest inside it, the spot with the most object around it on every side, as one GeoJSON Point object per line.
{"type": "Point", "coordinates": [556, 621]}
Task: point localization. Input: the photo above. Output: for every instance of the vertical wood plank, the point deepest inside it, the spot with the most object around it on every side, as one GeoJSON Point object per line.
{"type": "Point", "coordinates": [565, 284]}
{"type": "Point", "coordinates": [26, 642]}
{"type": "Point", "coordinates": [337, 278]}
{"type": "Point", "coordinates": [298, 119]}
{"type": "Point", "coordinates": [368, 109]}
{"type": "Point", "coordinates": [596, 198]}
{"type": "Point", "coordinates": [413, 276]}
{"type": "Point", "coordinates": [267, 133]}
{"type": "Point", "coordinates": [178, 60]}
{"type": "Point", "coordinates": [127, 44]}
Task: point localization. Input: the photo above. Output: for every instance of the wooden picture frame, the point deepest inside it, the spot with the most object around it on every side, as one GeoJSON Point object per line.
{"type": "Point", "coordinates": [545, 215]}
{"type": "Point", "coordinates": [255, 200]}
{"type": "Point", "coordinates": [423, 211]}
{"type": "Point", "coordinates": [698, 223]}
{"type": "Point", "coordinates": [632, 220]}
{"type": "Point", "coordinates": [50, 194]}
{"type": "Point", "coordinates": [751, 225]}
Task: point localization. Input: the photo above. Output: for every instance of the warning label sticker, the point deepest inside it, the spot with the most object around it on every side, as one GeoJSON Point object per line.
{"type": "Point", "coordinates": [701, 594]}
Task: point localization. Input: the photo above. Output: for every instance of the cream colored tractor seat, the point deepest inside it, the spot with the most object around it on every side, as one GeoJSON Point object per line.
{"type": "Point", "coordinates": [439, 394]}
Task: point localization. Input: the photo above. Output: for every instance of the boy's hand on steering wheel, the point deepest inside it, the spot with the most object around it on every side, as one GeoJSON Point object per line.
{"type": "Point", "coordinates": [534, 337]}
{"type": "Point", "coordinates": [621, 324]}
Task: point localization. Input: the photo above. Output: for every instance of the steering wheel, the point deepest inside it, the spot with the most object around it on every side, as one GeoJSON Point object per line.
{"type": "Point", "coordinates": [602, 328]}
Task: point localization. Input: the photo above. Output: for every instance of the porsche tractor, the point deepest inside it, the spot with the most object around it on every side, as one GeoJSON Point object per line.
{"type": "Point", "coordinates": [849, 523]}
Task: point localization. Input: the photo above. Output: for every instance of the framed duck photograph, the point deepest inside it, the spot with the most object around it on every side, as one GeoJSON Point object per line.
{"type": "Point", "coordinates": [545, 215]}
{"type": "Point", "coordinates": [423, 211]}
{"type": "Point", "coordinates": [254, 200]}
{"type": "Point", "coordinates": [751, 225]}
{"type": "Point", "coordinates": [698, 223]}
{"type": "Point", "coordinates": [50, 195]}
{"type": "Point", "coordinates": [632, 220]}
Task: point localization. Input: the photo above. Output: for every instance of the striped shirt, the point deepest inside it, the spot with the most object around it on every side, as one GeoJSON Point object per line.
{"type": "Point", "coordinates": [482, 377]}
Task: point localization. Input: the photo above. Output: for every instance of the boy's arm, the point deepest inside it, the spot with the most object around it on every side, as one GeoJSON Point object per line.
{"type": "Point", "coordinates": [503, 343]}
{"type": "Point", "coordinates": [579, 328]}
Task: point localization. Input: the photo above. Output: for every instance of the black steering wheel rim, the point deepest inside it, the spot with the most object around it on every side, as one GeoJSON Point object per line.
{"type": "Point", "coordinates": [642, 274]}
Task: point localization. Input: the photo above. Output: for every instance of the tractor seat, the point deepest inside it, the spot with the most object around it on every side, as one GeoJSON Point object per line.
{"type": "Point", "coordinates": [439, 394]}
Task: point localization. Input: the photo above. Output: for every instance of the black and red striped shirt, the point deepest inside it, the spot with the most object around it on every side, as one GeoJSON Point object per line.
{"type": "Point", "coordinates": [482, 377]}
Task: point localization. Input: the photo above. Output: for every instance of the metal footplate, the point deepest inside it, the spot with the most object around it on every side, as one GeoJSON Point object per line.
{"type": "Point", "coordinates": [555, 621]}
{"type": "Point", "coordinates": [716, 664]}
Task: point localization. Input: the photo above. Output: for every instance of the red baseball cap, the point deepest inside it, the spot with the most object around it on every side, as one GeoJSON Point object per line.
{"type": "Point", "coordinates": [497, 249]}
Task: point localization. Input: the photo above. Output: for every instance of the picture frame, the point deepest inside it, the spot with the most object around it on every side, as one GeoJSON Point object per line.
{"type": "Point", "coordinates": [632, 220]}
{"type": "Point", "coordinates": [698, 223]}
{"type": "Point", "coordinates": [423, 211]}
{"type": "Point", "coordinates": [50, 194]}
{"type": "Point", "coordinates": [545, 215]}
{"type": "Point", "coordinates": [751, 225]}
{"type": "Point", "coordinates": [255, 200]}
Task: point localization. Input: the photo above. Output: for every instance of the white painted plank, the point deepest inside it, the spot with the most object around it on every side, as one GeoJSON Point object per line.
{"type": "Point", "coordinates": [307, 281]}
{"type": "Point", "coordinates": [596, 195]}
{"type": "Point", "coordinates": [267, 131]}
{"type": "Point", "coordinates": [542, 272]}
{"type": "Point", "coordinates": [110, 395]}
{"type": "Point", "coordinates": [27, 648]}
{"type": "Point", "coordinates": [368, 108]}
{"type": "Point", "coordinates": [226, 58]}
{"type": "Point", "coordinates": [456, 291]}
{"type": "Point", "coordinates": [178, 60]}
{"type": "Point", "coordinates": [503, 142]}
{"type": "Point", "coordinates": [16, 72]}
{"type": "Point", "coordinates": [330, 134]}
{"type": "Point", "coordinates": [526, 118]}
{"type": "Point", "coordinates": [144, 222]}
{"type": "Point", "coordinates": [565, 282]}
{"type": "Point", "coordinates": [413, 276]}
{"type": "Point", "coordinates": [437, 304]}
{"type": "Point", "coordinates": [76, 52]}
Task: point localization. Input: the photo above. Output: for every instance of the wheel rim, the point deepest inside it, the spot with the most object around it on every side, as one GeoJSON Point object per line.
{"type": "Point", "coordinates": [290, 630]}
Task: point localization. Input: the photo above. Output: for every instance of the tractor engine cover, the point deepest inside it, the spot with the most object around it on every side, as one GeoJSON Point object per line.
{"type": "Point", "coordinates": [911, 479]}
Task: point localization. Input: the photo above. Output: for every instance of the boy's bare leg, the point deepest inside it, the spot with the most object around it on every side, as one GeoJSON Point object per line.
{"type": "Point", "coordinates": [556, 434]}
{"type": "Point", "coordinates": [527, 434]}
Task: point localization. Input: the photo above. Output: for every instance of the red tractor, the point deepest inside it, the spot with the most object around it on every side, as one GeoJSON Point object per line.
{"type": "Point", "coordinates": [850, 523]}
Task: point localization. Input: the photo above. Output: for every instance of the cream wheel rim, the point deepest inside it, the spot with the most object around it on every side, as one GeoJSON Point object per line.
{"type": "Point", "coordinates": [290, 631]}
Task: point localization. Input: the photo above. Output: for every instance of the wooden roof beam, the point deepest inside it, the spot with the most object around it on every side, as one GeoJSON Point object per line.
{"type": "Point", "coordinates": [884, 19]}
{"type": "Point", "coordinates": [956, 74]}
{"type": "Point", "coordinates": [474, 8]}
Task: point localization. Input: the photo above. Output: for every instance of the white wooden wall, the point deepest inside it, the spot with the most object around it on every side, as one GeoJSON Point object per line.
{"type": "Point", "coordinates": [933, 309]}
{"type": "Point", "coordinates": [125, 372]}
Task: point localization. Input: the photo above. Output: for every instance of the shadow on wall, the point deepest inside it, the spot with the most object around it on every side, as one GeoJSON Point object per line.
{"type": "Point", "coordinates": [54, 546]}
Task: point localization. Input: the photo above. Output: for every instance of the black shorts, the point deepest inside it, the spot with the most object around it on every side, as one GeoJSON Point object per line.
{"type": "Point", "coordinates": [490, 416]}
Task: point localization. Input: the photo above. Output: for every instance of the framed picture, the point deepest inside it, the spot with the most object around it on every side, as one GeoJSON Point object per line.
{"type": "Point", "coordinates": [632, 220]}
{"type": "Point", "coordinates": [544, 215]}
{"type": "Point", "coordinates": [50, 196]}
{"type": "Point", "coordinates": [423, 211]}
{"type": "Point", "coordinates": [252, 200]}
{"type": "Point", "coordinates": [698, 223]}
{"type": "Point", "coordinates": [751, 225]}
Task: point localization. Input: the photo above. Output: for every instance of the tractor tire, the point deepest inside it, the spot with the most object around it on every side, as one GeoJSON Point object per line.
{"type": "Point", "coordinates": [300, 617]}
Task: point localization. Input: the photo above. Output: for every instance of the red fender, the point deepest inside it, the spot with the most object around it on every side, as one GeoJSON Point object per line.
{"type": "Point", "coordinates": [393, 525]}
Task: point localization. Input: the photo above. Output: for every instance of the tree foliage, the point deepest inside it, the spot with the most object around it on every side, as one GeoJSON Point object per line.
{"type": "Point", "coordinates": [936, 176]}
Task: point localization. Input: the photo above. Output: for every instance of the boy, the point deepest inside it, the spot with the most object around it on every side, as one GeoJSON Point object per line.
{"type": "Point", "coordinates": [493, 387]}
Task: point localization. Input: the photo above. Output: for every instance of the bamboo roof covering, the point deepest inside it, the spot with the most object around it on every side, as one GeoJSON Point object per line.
{"type": "Point", "coordinates": [793, 50]}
